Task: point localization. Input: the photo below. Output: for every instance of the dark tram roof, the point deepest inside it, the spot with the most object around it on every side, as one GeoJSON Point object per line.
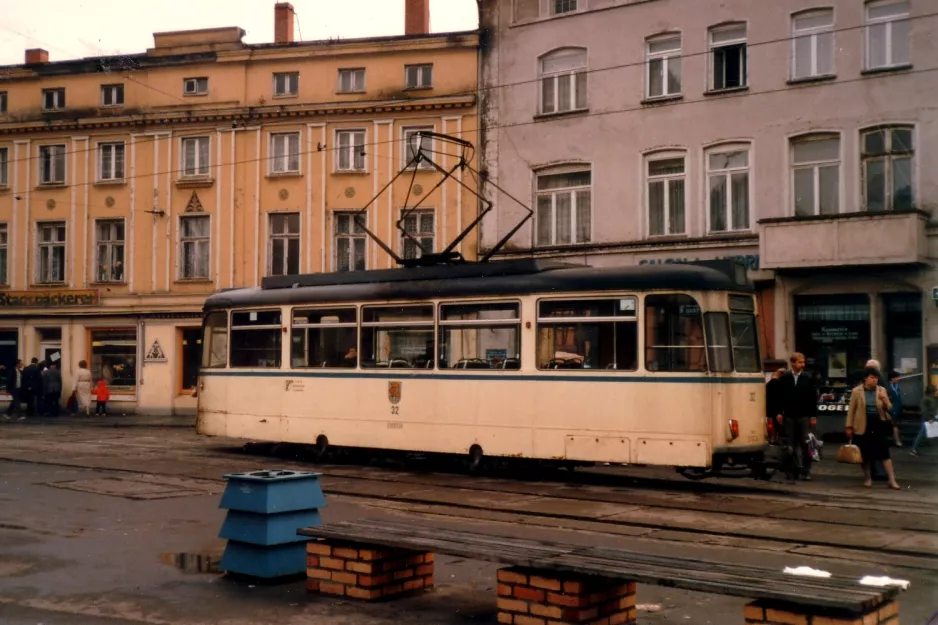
{"type": "Point", "coordinates": [502, 278]}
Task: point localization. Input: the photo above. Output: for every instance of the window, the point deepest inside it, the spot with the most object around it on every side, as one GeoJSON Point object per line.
{"type": "Point", "coordinates": [674, 336]}
{"type": "Point", "coordinates": [114, 358]}
{"type": "Point", "coordinates": [728, 178]}
{"type": "Point", "coordinates": [663, 66]}
{"type": "Point", "coordinates": [351, 152]}
{"type": "Point", "coordinates": [52, 164]}
{"type": "Point", "coordinates": [397, 337]}
{"type": "Point", "coordinates": [215, 340]}
{"type": "Point", "coordinates": [195, 86]}
{"type": "Point", "coordinates": [195, 156]}
{"type": "Point", "coordinates": [351, 80]}
{"type": "Point", "coordinates": [256, 338]}
{"type": "Point", "coordinates": [3, 102]}
{"type": "Point", "coordinates": [420, 225]}
{"type": "Point", "coordinates": [666, 183]}
{"type": "Point", "coordinates": [194, 247]}
{"type": "Point", "coordinates": [480, 336]}
{"type": "Point", "coordinates": [418, 146]}
{"type": "Point", "coordinates": [887, 34]}
{"type": "Point", "coordinates": [9, 354]}
{"type": "Point", "coordinates": [349, 243]}
{"type": "Point", "coordinates": [110, 161]}
{"type": "Point", "coordinates": [887, 155]}
{"type": "Point", "coordinates": [284, 253]}
{"type": "Point", "coordinates": [4, 254]}
{"type": "Point", "coordinates": [4, 167]}
{"type": "Point", "coordinates": [563, 81]}
{"type": "Point", "coordinates": [286, 83]}
{"type": "Point", "coordinates": [588, 334]}
{"type": "Point", "coordinates": [191, 339]}
{"type": "Point", "coordinates": [418, 76]}
{"type": "Point", "coordinates": [285, 153]}
{"type": "Point", "coordinates": [325, 338]}
{"type": "Point", "coordinates": [53, 99]}
{"type": "Point", "coordinates": [816, 174]}
{"type": "Point", "coordinates": [110, 246]}
{"type": "Point", "coordinates": [51, 266]}
{"type": "Point", "coordinates": [564, 208]}
{"type": "Point", "coordinates": [812, 44]}
{"type": "Point", "coordinates": [744, 334]}
{"type": "Point", "coordinates": [112, 95]}
{"type": "Point", "coordinates": [719, 350]}
{"type": "Point", "coordinates": [559, 7]}
{"type": "Point", "coordinates": [728, 57]}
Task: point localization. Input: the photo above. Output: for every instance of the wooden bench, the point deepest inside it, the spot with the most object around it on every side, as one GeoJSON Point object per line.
{"type": "Point", "coordinates": [548, 583]}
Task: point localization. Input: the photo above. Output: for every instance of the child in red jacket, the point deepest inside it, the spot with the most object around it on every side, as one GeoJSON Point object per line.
{"type": "Point", "coordinates": [103, 394]}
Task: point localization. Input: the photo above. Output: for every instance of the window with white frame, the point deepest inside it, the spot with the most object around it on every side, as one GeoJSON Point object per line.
{"type": "Point", "coordinates": [53, 99]}
{"type": "Point", "coordinates": [4, 254]}
{"type": "Point", "coordinates": [420, 225]}
{"type": "Point", "coordinates": [666, 184]}
{"type": "Point", "coordinates": [4, 167]}
{"type": "Point", "coordinates": [3, 102]}
{"type": "Point", "coordinates": [112, 95]}
{"type": "Point", "coordinates": [283, 258]}
{"type": "Point", "coordinates": [815, 162]}
{"type": "Point", "coordinates": [195, 86]}
{"type": "Point", "coordinates": [663, 66]}
{"type": "Point", "coordinates": [350, 153]}
{"type": "Point", "coordinates": [563, 81]}
{"type": "Point", "coordinates": [728, 57]}
{"type": "Point", "coordinates": [51, 247]}
{"type": "Point", "coordinates": [350, 242]}
{"type": "Point", "coordinates": [728, 186]}
{"type": "Point", "coordinates": [109, 261]}
{"type": "Point", "coordinates": [285, 153]}
{"type": "Point", "coordinates": [195, 156]}
{"type": "Point", "coordinates": [887, 160]}
{"type": "Point", "coordinates": [812, 44]}
{"type": "Point", "coordinates": [194, 243]}
{"type": "Point", "coordinates": [52, 164]}
{"type": "Point", "coordinates": [559, 7]}
{"type": "Point", "coordinates": [418, 76]}
{"type": "Point", "coordinates": [110, 161]}
{"type": "Point", "coordinates": [564, 206]}
{"type": "Point", "coordinates": [414, 143]}
{"type": "Point", "coordinates": [887, 34]}
{"type": "Point", "coordinates": [352, 80]}
{"type": "Point", "coordinates": [286, 83]}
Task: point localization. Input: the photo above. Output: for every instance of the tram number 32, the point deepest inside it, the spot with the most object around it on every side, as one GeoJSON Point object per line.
{"type": "Point", "coordinates": [395, 409]}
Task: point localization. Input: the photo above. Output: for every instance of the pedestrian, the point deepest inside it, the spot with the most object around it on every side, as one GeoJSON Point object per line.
{"type": "Point", "coordinates": [929, 414]}
{"type": "Point", "coordinates": [82, 388]}
{"type": "Point", "coordinates": [52, 389]}
{"type": "Point", "coordinates": [896, 399]}
{"type": "Point", "coordinates": [102, 394]}
{"type": "Point", "coordinates": [868, 425]}
{"type": "Point", "coordinates": [798, 401]}
{"type": "Point", "coordinates": [15, 387]}
{"type": "Point", "coordinates": [772, 403]}
{"type": "Point", "coordinates": [32, 387]}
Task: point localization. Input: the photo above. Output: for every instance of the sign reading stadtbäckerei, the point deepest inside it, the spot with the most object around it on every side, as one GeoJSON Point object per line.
{"type": "Point", "coordinates": [47, 299]}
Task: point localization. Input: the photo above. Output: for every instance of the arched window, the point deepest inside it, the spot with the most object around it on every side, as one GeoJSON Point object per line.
{"type": "Point", "coordinates": [563, 81]}
{"type": "Point", "coordinates": [728, 187]}
{"type": "Point", "coordinates": [887, 34]}
{"type": "Point", "coordinates": [663, 66]}
{"type": "Point", "coordinates": [812, 44]}
{"type": "Point", "coordinates": [887, 154]}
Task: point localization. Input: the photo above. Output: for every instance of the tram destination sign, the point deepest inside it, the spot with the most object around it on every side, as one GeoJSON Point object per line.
{"type": "Point", "coordinates": [47, 299]}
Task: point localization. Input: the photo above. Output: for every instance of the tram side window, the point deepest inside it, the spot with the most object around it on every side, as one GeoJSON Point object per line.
{"type": "Point", "coordinates": [480, 336]}
{"type": "Point", "coordinates": [324, 338]}
{"type": "Point", "coordinates": [588, 334]}
{"type": "Point", "coordinates": [256, 338]}
{"type": "Point", "coordinates": [215, 341]}
{"type": "Point", "coordinates": [674, 337]}
{"type": "Point", "coordinates": [718, 342]}
{"type": "Point", "coordinates": [397, 337]}
{"type": "Point", "coordinates": [744, 332]}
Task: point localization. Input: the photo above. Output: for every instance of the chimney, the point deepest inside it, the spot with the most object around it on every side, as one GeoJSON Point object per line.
{"type": "Point", "coordinates": [34, 56]}
{"type": "Point", "coordinates": [416, 17]}
{"type": "Point", "coordinates": [283, 22]}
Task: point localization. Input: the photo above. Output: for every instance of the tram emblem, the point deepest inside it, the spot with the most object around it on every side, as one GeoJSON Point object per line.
{"type": "Point", "coordinates": [394, 392]}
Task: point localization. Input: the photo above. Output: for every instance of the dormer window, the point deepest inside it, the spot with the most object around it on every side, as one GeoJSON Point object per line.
{"type": "Point", "coordinates": [195, 86]}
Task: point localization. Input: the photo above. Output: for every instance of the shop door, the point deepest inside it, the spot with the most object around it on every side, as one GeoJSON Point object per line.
{"type": "Point", "coordinates": [50, 345]}
{"type": "Point", "coordinates": [903, 329]}
{"type": "Point", "coordinates": [191, 357]}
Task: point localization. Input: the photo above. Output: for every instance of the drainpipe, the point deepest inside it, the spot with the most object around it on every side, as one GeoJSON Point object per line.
{"type": "Point", "coordinates": [141, 342]}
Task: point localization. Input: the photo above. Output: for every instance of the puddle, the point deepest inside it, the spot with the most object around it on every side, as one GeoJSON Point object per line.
{"type": "Point", "coordinates": [192, 562]}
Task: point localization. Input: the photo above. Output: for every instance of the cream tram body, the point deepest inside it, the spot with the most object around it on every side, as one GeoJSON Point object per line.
{"type": "Point", "coordinates": [646, 365]}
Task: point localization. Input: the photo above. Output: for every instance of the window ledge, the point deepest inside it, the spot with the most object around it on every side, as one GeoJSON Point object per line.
{"type": "Point", "coordinates": [351, 91]}
{"type": "Point", "coordinates": [664, 238]}
{"type": "Point", "coordinates": [50, 185]}
{"type": "Point", "coordinates": [662, 99]}
{"type": "Point", "coordinates": [285, 96]}
{"type": "Point", "coordinates": [713, 92]}
{"type": "Point", "coordinates": [428, 170]}
{"type": "Point", "coordinates": [741, 232]}
{"type": "Point", "coordinates": [106, 283]}
{"type": "Point", "coordinates": [111, 183]}
{"type": "Point", "coordinates": [886, 70]}
{"type": "Point", "coordinates": [357, 172]}
{"type": "Point", "coordinates": [110, 107]}
{"type": "Point", "coordinates": [48, 285]}
{"type": "Point", "coordinates": [192, 281]}
{"type": "Point", "coordinates": [4, 188]}
{"type": "Point", "coordinates": [812, 79]}
{"type": "Point", "coordinates": [194, 183]}
{"type": "Point", "coordinates": [200, 94]}
{"type": "Point", "coordinates": [548, 116]}
{"type": "Point", "coordinates": [562, 246]}
{"type": "Point", "coordinates": [285, 174]}
{"type": "Point", "coordinates": [430, 88]}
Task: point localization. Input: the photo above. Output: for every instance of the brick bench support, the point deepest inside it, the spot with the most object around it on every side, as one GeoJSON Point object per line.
{"type": "Point", "coordinates": [364, 571]}
{"type": "Point", "coordinates": [767, 613]}
{"type": "Point", "coordinates": [531, 597]}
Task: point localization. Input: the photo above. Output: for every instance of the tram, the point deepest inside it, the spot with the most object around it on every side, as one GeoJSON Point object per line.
{"type": "Point", "coordinates": [649, 365]}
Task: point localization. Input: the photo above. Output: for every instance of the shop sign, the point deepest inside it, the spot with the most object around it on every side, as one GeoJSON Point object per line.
{"type": "Point", "coordinates": [47, 299]}
{"type": "Point", "coordinates": [832, 407]}
{"type": "Point", "coordinates": [751, 261]}
{"type": "Point", "coordinates": [155, 353]}
{"type": "Point", "coordinates": [829, 334]}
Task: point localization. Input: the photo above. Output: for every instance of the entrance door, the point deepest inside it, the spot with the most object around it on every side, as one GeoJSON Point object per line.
{"type": "Point", "coordinates": [903, 326]}
{"type": "Point", "coordinates": [50, 345]}
{"type": "Point", "coordinates": [191, 357]}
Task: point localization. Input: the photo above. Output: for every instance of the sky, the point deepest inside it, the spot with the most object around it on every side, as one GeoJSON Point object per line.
{"type": "Point", "coordinates": [71, 29]}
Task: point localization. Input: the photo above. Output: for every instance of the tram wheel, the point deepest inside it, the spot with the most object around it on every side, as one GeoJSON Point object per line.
{"type": "Point", "coordinates": [321, 447]}
{"type": "Point", "coordinates": [475, 457]}
{"type": "Point", "coordinates": [695, 474]}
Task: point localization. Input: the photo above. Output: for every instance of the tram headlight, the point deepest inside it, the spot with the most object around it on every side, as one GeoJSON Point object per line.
{"type": "Point", "coordinates": [732, 430]}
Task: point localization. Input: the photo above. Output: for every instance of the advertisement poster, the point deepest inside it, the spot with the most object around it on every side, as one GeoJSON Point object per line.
{"type": "Point", "coordinates": [837, 365]}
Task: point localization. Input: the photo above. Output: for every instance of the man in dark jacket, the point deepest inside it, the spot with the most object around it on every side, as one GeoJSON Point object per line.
{"type": "Point", "coordinates": [797, 397]}
{"type": "Point", "coordinates": [32, 387]}
{"type": "Point", "coordinates": [52, 389]}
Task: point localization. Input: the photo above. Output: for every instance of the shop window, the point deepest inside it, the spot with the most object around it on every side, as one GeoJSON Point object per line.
{"type": "Point", "coordinates": [744, 332]}
{"type": "Point", "coordinates": [325, 338]}
{"type": "Point", "coordinates": [480, 336]}
{"type": "Point", "coordinates": [191, 357]}
{"type": "Point", "coordinates": [9, 353]}
{"type": "Point", "coordinates": [114, 358]}
{"type": "Point", "coordinates": [397, 337]}
{"type": "Point", "coordinates": [674, 336]}
{"type": "Point", "coordinates": [256, 338]}
{"type": "Point", "coordinates": [588, 334]}
{"type": "Point", "coordinates": [215, 341]}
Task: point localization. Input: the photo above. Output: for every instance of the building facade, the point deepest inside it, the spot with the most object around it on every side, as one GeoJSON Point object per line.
{"type": "Point", "coordinates": [799, 138]}
{"type": "Point", "coordinates": [132, 187]}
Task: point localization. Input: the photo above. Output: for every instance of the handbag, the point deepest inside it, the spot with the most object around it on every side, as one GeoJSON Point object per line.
{"type": "Point", "coordinates": [931, 429]}
{"type": "Point", "coordinates": [849, 454]}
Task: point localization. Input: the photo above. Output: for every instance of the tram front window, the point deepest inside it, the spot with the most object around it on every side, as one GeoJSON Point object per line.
{"type": "Point", "coordinates": [215, 341]}
{"type": "Point", "coordinates": [397, 337]}
{"type": "Point", "coordinates": [674, 336]}
{"type": "Point", "coordinates": [588, 334]}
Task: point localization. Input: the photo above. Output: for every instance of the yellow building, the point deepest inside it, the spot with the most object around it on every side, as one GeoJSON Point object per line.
{"type": "Point", "coordinates": [132, 187]}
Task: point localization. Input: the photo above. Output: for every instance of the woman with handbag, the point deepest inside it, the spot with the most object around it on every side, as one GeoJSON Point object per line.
{"type": "Point", "coordinates": [869, 425]}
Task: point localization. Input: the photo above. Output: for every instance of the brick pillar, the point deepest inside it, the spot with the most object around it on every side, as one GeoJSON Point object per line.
{"type": "Point", "coordinates": [416, 17]}
{"type": "Point", "coordinates": [765, 613]}
{"type": "Point", "coordinates": [528, 597]}
{"type": "Point", "coordinates": [365, 572]}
